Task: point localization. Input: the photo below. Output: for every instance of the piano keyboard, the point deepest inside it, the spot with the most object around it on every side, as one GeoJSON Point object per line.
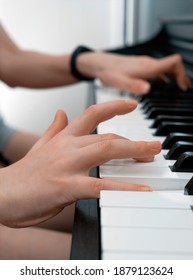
{"type": "Point", "coordinates": [134, 126]}
{"type": "Point", "coordinates": [136, 231]}
{"type": "Point", "coordinates": [137, 225]}
{"type": "Point", "coordinates": [157, 225]}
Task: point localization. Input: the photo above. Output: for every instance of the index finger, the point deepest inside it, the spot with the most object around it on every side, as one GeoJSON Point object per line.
{"type": "Point", "coordinates": [95, 114]}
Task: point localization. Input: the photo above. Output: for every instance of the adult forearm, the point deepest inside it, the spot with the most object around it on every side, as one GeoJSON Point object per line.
{"type": "Point", "coordinates": [35, 70]}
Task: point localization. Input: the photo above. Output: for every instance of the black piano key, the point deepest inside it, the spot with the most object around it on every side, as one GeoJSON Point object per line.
{"type": "Point", "coordinates": [167, 94]}
{"type": "Point", "coordinates": [150, 106]}
{"type": "Point", "coordinates": [161, 89]}
{"type": "Point", "coordinates": [165, 118]}
{"type": "Point", "coordinates": [167, 127]}
{"type": "Point", "coordinates": [184, 163]}
{"type": "Point", "coordinates": [158, 86]}
{"type": "Point", "coordinates": [153, 113]}
{"type": "Point", "coordinates": [158, 101]}
{"type": "Point", "coordinates": [188, 190]}
{"type": "Point", "coordinates": [175, 137]}
{"type": "Point", "coordinates": [178, 148]}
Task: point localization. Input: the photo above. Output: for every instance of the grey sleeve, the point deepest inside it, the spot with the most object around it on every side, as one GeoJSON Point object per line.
{"type": "Point", "coordinates": [5, 133]}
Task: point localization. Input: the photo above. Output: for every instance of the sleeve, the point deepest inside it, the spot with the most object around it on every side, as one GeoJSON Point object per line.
{"type": "Point", "coordinates": [5, 133]}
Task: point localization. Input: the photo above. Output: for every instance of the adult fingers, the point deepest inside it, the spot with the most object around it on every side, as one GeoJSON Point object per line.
{"type": "Point", "coordinates": [173, 66]}
{"type": "Point", "coordinates": [123, 82]}
{"type": "Point", "coordinates": [145, 159]}
{"type": "Point", "coordinates": [59, 123]}
{"type": "Point", "coordinates": [103, 151]}
{"type": "Point", "coordinates": [86, 140]}
{"type": "Point", "coordinates": [96, 114]}
{"type": "Point", "coordinates": [91, 187]}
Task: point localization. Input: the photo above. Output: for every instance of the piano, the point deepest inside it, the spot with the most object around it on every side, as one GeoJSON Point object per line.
{"type": "Point", "coordinates": [136, 225]}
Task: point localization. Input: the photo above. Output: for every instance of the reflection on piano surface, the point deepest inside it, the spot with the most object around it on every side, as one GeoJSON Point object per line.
{"type": "Point", "coordinates": [156, 225]}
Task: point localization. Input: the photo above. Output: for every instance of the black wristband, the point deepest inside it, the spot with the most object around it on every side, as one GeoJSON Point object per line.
{"type": "Point", "coordinates": [74, 71]}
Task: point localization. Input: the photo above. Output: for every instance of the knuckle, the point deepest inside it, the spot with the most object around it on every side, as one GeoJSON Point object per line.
{"type": "Point", "coordinates": [142, 148]}
{"type": "Point", "coordinates": [127, 85]}
{"type": "Point", "coordinates": [105, 146]}
{"type": "Point", "coordinates": [112, 136]}
{"type": "Point", "coordinates": [91, 111]}
{"type": "Point", "coordinates": [98, 186]}
{"type": "Point", "coordinates": [145, 59]}
{"type": "Point", "coordinates": [108, 136]}
{"type": "Point", "coordinates": [178, 57]}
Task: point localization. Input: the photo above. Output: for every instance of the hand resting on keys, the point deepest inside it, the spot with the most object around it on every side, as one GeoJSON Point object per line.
{"type": "Point", "coordinates": [130, 73]}
{"type": "Point", "coordinates": [54, 173]}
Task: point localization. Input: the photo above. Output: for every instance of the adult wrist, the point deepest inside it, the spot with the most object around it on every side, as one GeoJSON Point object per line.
{"type": "Point", "coordinates": [73, 63]}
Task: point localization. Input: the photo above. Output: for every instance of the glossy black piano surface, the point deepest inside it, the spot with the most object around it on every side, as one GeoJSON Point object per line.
{"type": "Point", "coordinates": [169, 107]}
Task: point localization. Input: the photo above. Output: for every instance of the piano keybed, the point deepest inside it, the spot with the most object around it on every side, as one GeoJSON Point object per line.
{"type": "Point", "coordinates": [155, 225]}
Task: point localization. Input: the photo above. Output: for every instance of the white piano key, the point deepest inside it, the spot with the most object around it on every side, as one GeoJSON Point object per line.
{"type": "Point", "coordinates": [174, 217]}
{"type": "Point", "coordinates": [159, 161]}
{"type": "Point", "coordinates": [146, 217]}
{"type": "Point", "coordinates": [132, 134]}
{"type": "Point", "coordinates": [133, 126]}
{"type": "Point", "coordinates": [162, 200]}
{"type": "Point", "coordinates": [147, 240]}
{"type": "Point", "coordinates": [158, 178]}
{"type": "Point", "coordinates": [104, 94]}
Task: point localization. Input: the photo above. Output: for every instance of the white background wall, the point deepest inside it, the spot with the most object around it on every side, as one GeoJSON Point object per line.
{"type": "Point", "coordinates": [55, 26]}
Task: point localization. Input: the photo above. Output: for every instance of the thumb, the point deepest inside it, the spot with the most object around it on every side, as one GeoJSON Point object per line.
{"type": "Point", "coordinates": [59, 123]}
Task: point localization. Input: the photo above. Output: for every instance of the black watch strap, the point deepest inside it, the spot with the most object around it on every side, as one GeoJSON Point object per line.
{"type": "Point", "coordinates": [74, 71]}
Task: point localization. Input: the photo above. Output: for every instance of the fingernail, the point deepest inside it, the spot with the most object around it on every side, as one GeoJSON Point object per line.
{"type": "Point", "coordinates": [146, 189]}
{"type": "Point", "coordinates": [131, 102]}
{"type": "Point", "coordinates": [146, 88]}
{"type": "Point", "coordinates": [155, 145]}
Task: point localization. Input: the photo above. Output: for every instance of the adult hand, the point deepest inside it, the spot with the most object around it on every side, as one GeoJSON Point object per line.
{"type": "Point", "coordinates": [55, 172]}
{"type": "Point", "coordinates": [130, 73]}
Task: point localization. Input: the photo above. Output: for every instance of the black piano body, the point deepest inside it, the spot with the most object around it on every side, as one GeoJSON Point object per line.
{"type": "Point", "coordinates": [175, 36]}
